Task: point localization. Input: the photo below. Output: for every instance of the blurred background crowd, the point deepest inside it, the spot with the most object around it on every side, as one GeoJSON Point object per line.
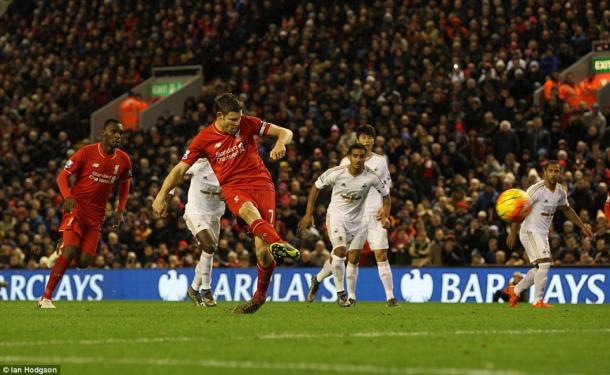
{"type": "Point", "coordinates": [447, 84]}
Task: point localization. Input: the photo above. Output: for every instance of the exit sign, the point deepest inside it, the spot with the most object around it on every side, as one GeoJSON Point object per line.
{"type": "Point", "coordinates": [601, 65]}
{"type": "Point", "coordinates": [164, 88]}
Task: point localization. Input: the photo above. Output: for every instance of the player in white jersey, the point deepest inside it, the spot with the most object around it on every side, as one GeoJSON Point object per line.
{"type": "Point", "coordinates": [351, 185]}
{"type": "Point", "coordinates": [377, 235]}
{"type": "Point", "coordinates": [546, 196]}
{"type": "Point", "coordinates": [202, 216]}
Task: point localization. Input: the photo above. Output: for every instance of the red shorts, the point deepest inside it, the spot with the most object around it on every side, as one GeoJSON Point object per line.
{"type": "Point", "coordinates": [77, 233]}
{"type": "Point", "coordinates": [263, 200]}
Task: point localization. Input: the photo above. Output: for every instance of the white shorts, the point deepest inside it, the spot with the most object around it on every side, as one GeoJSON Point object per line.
{"type": "Point", "coordinates": [203, 221]}
{"type": "Point", "coordinates": [536, 244]}
{"type": "Point", "coordinates": [345, 234]}
{"type": "Point", "coordinates": [377, 235]}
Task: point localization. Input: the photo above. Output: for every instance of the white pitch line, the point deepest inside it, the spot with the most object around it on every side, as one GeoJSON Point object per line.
{"type": "Point", "coordinates": [293, 336]}
{"type": "Point", "coordinates": [282, 336]}
{"type": "Point", "coordinates": [252, 365]}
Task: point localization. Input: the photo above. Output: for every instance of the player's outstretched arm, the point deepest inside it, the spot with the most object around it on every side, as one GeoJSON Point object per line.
{"type": "Point", "coordinates": [173, 178]}
{"type": "Point", "coordinates": [572, 216]}
{"type": "Point", "coordinates": [284, 137]}
{"type": "Point", "coordinates": [307, 220]}
{"type": "Point", "coordinates": [512, 236]}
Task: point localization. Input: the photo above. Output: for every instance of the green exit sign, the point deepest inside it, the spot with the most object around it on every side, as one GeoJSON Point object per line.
{"type": "Point", "coordinates": [601, 65]}
{"type": "Point", "coordinates": [165, 88]}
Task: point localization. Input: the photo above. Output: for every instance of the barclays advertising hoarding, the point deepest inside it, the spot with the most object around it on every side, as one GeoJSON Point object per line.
{"type": "Point", "coordinates": [565, 285]}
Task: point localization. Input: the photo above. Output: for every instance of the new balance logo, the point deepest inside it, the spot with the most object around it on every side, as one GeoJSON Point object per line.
{"type": "Point", "coordinates": [95, 165]}
{"type": "Point", "coordinates": [217, 145]}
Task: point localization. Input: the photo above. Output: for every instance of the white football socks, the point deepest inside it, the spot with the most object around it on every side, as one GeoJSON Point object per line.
{"type": "Point", "coordinates": [385, 274]}
{"type": "Point", "coordinates": [351, 276]}
{"type": "Point", "coordinates": [526, 281]}
{"type": "Point", "coordinates": [540, 280]}
{"type": "Point", "coordinates": [203, 272]}
{"type": "Point", "coordinates": [338, 269]}
{"type": "Point", "coordinates": [325, 271]}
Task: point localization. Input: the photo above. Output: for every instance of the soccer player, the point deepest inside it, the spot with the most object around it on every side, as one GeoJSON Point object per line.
{"type": "Point", "coordinates": [546, 196]}
{"type": "Point", "coordinates": [344, 218]}
{"type": "Point", "coordinates": [202, 214]}
{"type": "Point", "coordinates": [377, 235]}
{"type": "Point", "coordinates": [231, 149]}
{"type": "Point", "coordinates": [96, 167]}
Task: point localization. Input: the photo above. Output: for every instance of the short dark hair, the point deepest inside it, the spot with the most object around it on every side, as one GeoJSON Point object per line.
{"type": "Point", "coordinates": [552, 162]}
{"type": "Point", "coordinates": [227, 102]}
{"type": "Point", "coordinates": [356, 146]}
{"type": "Point", "coordinates": [366, 130]}
{"type": "Point", "coordinates": [110, 121]}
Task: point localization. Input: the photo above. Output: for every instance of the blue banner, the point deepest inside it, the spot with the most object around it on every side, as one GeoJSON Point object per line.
{"type": "Point", "coordinates": [565, 285]}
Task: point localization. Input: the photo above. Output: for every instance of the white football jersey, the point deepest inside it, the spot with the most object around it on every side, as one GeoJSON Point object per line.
{"type": "Point", "coordinates": [544, 205]}
{"type": "Point", "coordinates": [350, 192]}
{"type": "Point", "coordinates": [379, 165]}
{"type": "Point", "coordinates": [204, 192]}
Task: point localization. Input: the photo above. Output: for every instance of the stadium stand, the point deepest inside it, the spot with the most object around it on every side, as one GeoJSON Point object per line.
{"type": "Point", "coordinates": [448, 85]}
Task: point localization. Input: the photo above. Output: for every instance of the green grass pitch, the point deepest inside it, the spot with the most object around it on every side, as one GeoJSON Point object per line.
{"type": "Point", "coordinates": [300, 338]}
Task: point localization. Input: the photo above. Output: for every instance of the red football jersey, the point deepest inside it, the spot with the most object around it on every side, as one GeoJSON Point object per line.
{"type": "Point", "coordinates": [96, 173]}
{"type": "Point", "coordinates": [233, 157]}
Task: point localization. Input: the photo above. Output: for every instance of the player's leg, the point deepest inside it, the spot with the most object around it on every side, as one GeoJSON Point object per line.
{"type": "Point", "coordinates": [206, 230]}
{"type": "Point", "coordinates": [317, 279]}
{"type": "Point", "coordinates": [544, 265]}
{"type": "Point", "coordinates": [265, 266]}
{"type": "Point", "coordinates": [385, 274]}
{"type": "Point", "coordinates": [607, 208]}
{"type": "Point", "coordinates": [71, 233]}
{"type": "Point", "coordinates": [88, 245]}
{"type": "Point", "coordinates": [531, 248]}
{"type": "Point", "coordinates": [377, 237]}
{"type": "Point", "coordinates": [257, 209]}
{"type": "Point", "coordinates": [351, 274]}
{"type": "Point", "coordinates": [338, 269]}
{"type": "Point", "coordinates": [356, 237]}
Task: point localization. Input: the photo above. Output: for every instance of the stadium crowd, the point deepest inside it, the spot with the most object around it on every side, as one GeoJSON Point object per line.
{"type": "Point", "coordinates": [447, 84]}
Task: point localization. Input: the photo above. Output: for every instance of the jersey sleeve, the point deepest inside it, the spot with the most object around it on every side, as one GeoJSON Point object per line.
{"type": "Point", "coordinates": [126, 174]}
{"type": "Point", "coordinates": [344, 161]}
{"type": "Point", "coordinates": [251, 125]}
{"type": "Point", "coordinates": [327, 179]}
{"type": "Point", "coordinates": [385, 176]}
{"type": "Point", "coordinates": [76, 162]}
{"type": "Point", "coordinates": [195, 150]}
{"type": "Point", "coordinates": [563, 200]}
{"type": "Point", "coordinates": [381, 187]}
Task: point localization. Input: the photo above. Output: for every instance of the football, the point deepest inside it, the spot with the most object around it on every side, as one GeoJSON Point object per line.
{"type": "Point", "coordinates": [513, 205]}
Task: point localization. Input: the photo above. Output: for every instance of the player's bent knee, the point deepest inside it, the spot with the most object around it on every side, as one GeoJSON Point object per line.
{"type": "Point", "coordinates": [340, 252]}
{"type": "Point", "coordinates": [381, 255]}
{"type": "Point", "coordinates": [208, 249]}
{"type": "Point", "coordinates": [69, 251]}
{"type": "Point", "coordinates": [248, 212]}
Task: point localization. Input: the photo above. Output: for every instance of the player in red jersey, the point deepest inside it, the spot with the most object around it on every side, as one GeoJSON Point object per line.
{"type": "Point", "coordinates": [230, 147]}
{"type": "Point", "coordinates": [96, 167]}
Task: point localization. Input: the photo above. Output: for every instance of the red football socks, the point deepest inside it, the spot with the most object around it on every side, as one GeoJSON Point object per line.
{"type": "Point", "coordinates": [265, 231]}
{"type": "Point", "coordinates": [607, 210]}
{"type": "Point", "coordinates": [57, 272]}
{"type": "Point", "coordinates": [264, 278]}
